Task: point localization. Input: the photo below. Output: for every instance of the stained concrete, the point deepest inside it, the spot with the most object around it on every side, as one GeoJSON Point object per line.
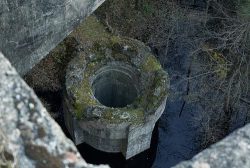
{"type": "Point", "coordinates": [115, 93]}
{"type": "Point", "coordinates": [30, 29]}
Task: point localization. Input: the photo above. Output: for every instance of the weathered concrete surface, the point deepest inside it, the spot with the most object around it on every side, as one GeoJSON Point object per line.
{"type": "Point", "coordinates": [116, 91]}
{"type": "Point", "coordinates": [29, 29]}
{"type": "Point", "coordinates": [28, 135]}
{"type": "Point", "coordinates": [231, 152]}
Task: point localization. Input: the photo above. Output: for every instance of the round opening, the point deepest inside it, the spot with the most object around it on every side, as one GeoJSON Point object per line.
{"type": "Point", "coordinates": [114, 88]}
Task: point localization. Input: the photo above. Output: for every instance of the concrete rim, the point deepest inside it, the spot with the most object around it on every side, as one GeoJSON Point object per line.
{"type": "Point", "coordinates": [125, 56]}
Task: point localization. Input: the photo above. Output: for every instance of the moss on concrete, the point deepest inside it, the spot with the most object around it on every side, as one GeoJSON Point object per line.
{"type": "Point", "coordinates": [151, 64]}
{"type": "Point", "coordinates": [90, 31]}
{"type": "Point", "coordinates": [101, 47]}
{"type": "Point", "coordinates": [84, 96]}
{"type": "Point", "coordinates": [155, 93]}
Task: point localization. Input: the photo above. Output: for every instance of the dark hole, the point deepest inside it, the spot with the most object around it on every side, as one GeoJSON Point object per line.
{"type": "Point", "coordinates": [114, 89]}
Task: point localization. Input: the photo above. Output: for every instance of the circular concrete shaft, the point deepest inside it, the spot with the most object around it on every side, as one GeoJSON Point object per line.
{"type": "Point", "coordinates": [115, 93]}
{"type": "Point", "coordinates": [114, 88]}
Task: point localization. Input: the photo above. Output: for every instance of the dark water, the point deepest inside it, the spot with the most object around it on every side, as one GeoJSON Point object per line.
{"type": "Point", "coordinates": [94, 156]}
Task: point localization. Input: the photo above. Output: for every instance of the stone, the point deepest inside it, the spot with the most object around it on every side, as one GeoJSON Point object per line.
{"type": "Point", "coordinates": [29, 137]}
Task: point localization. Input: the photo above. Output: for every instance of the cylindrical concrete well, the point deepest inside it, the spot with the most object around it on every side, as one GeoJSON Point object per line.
{"type": "Point", "coordinates": [115, 85]}
{"type": "Point", "coordinates": [115, 92]}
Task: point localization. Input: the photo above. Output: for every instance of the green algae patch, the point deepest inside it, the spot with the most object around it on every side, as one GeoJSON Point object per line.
{"type": "Point", "coordinates": [90, 31]}
{"type": "Point", "coordinates": [83, 94]}
{"type": "Point", "coordinates": [155, 94]}
{"type": "Point", "coordinates": [137, 116]}
{"type": "Point", "coordinates": [115, 40]}
{"type": "Point", "coordinates": [83, 99]}
{"type": "Point", "coordinates": [151, 64]}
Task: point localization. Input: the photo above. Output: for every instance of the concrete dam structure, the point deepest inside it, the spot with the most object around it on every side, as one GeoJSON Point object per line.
{"type": "Point", "coordinates": [115, 93]}
{"type": "Point", "coordinates": [30, 29]}
{"type": "Point", "coordinates": [30, 138]}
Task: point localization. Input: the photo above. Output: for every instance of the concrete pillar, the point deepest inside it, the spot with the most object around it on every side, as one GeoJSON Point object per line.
{"type": "Point", "coordinates": [115, 93]}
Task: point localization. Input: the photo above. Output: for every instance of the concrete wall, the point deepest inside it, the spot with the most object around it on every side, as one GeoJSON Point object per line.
{"type": "Point", "coordinates": [29, 29]}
